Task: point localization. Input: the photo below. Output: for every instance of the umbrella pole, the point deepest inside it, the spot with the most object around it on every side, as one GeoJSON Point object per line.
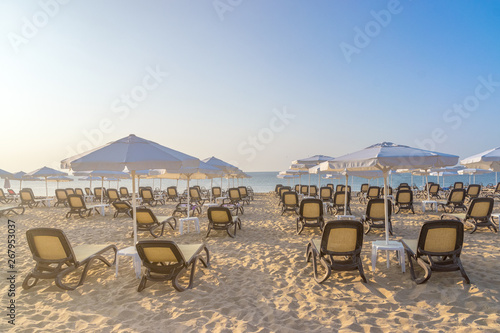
{"type": "Point", "coordinates": [345, 192]}
{"type": "Point", "coordinates": [211, 185]}
{"type": "Point", "coordinates": [427, 185]}
{"type": "Point", "coordinates": [46, 188]}
{"type": "Point", "coordinates": [102, 194]}
{"type": "Point", "coordinates": [309, 186]}
{"type": "Point", "coordinates": [134, 207]}
{"type": "Point", "coordinates": [386, 206]}
{"type": "Point", "coordinates": [188, 198]}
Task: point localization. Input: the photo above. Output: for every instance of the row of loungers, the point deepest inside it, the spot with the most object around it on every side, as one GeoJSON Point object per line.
{"type": "Point", "coordinates": [164, 260]}
{"type": "Point", "coordinates": [437, 249]}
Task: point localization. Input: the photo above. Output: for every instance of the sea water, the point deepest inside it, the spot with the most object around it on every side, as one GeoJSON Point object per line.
{"type": "Point", "coordinates": [261, 182]}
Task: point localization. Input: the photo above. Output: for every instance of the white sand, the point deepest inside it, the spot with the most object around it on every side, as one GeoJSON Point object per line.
{"type": "Point", "coordinates": [257, 282]}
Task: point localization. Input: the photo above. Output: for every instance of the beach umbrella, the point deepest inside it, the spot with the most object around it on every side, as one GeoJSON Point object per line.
{"type": "Point", "coordinates": [101, 175]}
{"type": "Point", "coordinates": [489, 159]}
{"type": "Point", "coordinates": [313, 160]}
{"type": "Point", "coordinates": [202, 171]}
{"type": "Point", "coordinates": [227, 168]}
{"type": "Point", "coordinates": [388, 156]}
{"type": "Point", "coordinates": [46, 172]}
{"type": "Point", "coordinates": [473, 172]}
{"type": "Point", "coordinates": [59, 179]}
{"type": "Point", "coordinates": [131, 153]}
{"type": "Point", "coordinates": [21, 175]}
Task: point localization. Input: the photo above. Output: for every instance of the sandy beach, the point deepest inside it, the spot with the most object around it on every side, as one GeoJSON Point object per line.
{"type": "Point", "coordinates": [257, 282]}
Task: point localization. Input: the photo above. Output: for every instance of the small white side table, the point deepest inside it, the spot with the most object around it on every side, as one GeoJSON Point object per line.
{"type": "Point", "coordinates": [433, 204]}
{"type": "Point", "coordinates": [130, 251]}
{"type": "Point", "coordinates": [189, 219]}
{"type": "Point", "coordinates": [391, 246]}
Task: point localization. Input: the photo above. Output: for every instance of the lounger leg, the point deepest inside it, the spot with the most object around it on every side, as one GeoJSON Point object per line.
{"type": "Point", "coordinates": [427, 270]}
{"type": "Point", "coordinates": [462, 270]}
{"type": "Point", "coordinates": [360, 268]}
{"type": "Point", "coordinates": [325, 265]}
{"type": "Point", "coordinates": [27, 284]}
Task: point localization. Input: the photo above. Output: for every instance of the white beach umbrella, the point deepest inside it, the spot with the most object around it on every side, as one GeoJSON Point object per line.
{"type": "Point", "coordinates": [59, 179]}
{"type": "Point", "coordinates": [46, 172]}
{"type": "Point", "coordinates": [202, 171]}
{"type": "Point", "coordinates": [388, 156]}
{"type": "Point", "coordinates": [489, 159]}
{"type": "Point", "coordinates": [23, 176]}
{"type": "Point", "coordinates": [473, 172]}
{"type": "Point", "coordinates": [131, 153]}
{"type": "Point", "coordinates": [227, 168]}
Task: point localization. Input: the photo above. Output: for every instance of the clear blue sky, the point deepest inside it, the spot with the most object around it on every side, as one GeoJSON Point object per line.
{"type": "Point", "coordinates": [257, 83]}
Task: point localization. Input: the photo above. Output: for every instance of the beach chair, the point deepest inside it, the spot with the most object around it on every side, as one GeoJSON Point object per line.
{"type": "Point", "coordinates": [473, 192]}
{"type": "Point", "coordinates": [62, 198]}
{"type": "Point", "coordinates": [216, 193]}
{"type": "Point", "coordinates": [342, 188]}
{"type": "Point", "coordinates": [79, 191]}
{"type": "Point", "coordinates": [165, 261]}
{"type": "Point", "coordinates": [4, 198]}
{"type": "Point", "coordinates": [113, 195]}
{"type": "Point", "coordinates": [455, 200]}
{"type": "Point", "coordinates": [234, 202]}
{"type": "Point", "coordinates": [69, 191]}
{"type": "Point", "coordinates": [304, 190]}
{"type": "Point", "coordinates": [437, 249]}
{"type": "Point", "coordinates": [339, 188]}
{"type": "Point", "coordinates": [458, 185]}
{"type": "Point", "coordinates": [124, 194]}
{"type": "Point", "coordinates": [55, 257]}
{"type": "Point", "coordinates": [434, 191]}
{"type": "Point", "coordinates": [338, 249]}
{"type": "Point", "coordinates": [196, 197]}
{"type": "Point", "coordinates": [282, 190]}
{"type": "Point", "coordinates": [154, 224]}
{"type": "Point", "coordinates": [149, 198]}
{"type": "Point", "coordinates": [330, 185]}
{"type": "Point", "coordinates": [277, 188]}
{"type": "Point", "coordinates": [250, 192]}
{"type": "Point", "coordinates": [28, 199]}
{"type": "Point", "coordinates": [290, 202]}
{"type": "Point", "coordinates": [100, 191]}
{"type": "Point", "coordinates": [375, 215]}
{"type": "Point", "coordinates": [172, 193]}
{"type": "Point", "coordinates": [404, 200]}
{"type": "Point", "coordinates": [220, 218]}
{"type": "Point", "coordinates": [495, 193]}
{"type": "Point", "coordinates": [88, 194]}
{"type": "Point", "coordinates": [389, 192]}
{"type": "Point", "coordinates": [478, 214]}
{"type": "Point", "coordinates": [12, 195]}
{"type": "Point", "coordinates": [313, 191]}
{"type": "Point", "coordinates": [326, 194]}
{"type": "Point", "coordinates": [403, 187]}
{"type": "Point", "coordinates": [123, 207]}
{"type": "Point", "coordinates": [362, 192]}
{"type": "Point", "coordinates": [77, 206]}
{"type": "Point", "coordinates": [297, 188]}
{"type": "Point", "coordinates": [244, 194]}
{"type": "Point", "coordinates": [373, 193]}
{"type": "Point", "coordinates": [337, 207]}
{"type": "Point", "coordinates": [6, 210]}
{"type": "Point", "coordinates": [310, 215]}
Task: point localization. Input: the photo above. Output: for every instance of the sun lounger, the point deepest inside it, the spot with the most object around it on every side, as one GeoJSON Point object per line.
{"type": "Point", "coordinates": [437, 249]}
{"type": "Point", "coordinates": [165, 260]}
{"type": "Point", "coordinates": [17, 210]}
{"type": "Point", "coordinates": [55, 257]}
{"type": "Point", "coordinates": [338, 249]}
